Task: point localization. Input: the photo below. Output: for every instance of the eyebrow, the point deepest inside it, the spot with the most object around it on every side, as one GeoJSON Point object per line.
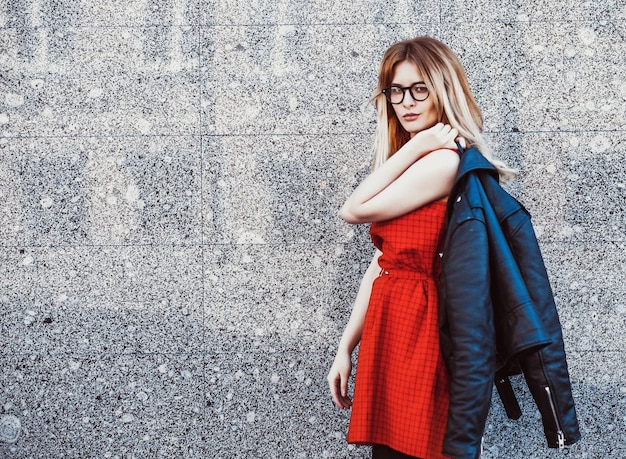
{"type": "Point", "coordinates": [412, 84]}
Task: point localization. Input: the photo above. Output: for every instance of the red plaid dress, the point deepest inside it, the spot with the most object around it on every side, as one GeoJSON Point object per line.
{"type": "Point", "coordinates": [401, 390]}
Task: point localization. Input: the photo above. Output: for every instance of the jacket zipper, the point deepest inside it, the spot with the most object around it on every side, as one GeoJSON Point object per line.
{"type": "Point", "coordinates": [560, 436]}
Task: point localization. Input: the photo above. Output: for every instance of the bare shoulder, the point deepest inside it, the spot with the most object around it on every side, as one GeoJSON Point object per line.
{"type": "Point", "coordinates": [444, 154]}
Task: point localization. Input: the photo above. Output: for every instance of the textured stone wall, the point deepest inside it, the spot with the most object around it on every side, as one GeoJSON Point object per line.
{"type": "Point", "coordinates": [174, 276]}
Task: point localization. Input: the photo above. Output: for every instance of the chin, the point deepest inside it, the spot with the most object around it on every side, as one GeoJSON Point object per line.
{"type": "Point", "coordinates": [412, 130]}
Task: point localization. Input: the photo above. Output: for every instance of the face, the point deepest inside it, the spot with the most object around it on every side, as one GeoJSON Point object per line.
{"type": "Point", "coordinates": [414, 116]}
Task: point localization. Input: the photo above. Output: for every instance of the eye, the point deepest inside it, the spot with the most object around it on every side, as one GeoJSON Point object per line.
{"type": "Point", "coordinates": [396, 90]}
{"type": "Point", "coordinates": [419, 88]}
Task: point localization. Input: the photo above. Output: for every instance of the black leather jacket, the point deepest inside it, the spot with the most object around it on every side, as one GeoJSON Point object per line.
{"type": "Point", "coordinates": [497, 313]}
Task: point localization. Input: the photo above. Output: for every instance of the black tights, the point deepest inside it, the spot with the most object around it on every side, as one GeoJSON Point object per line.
{"type": "Point", "coordinates": [385, 452]}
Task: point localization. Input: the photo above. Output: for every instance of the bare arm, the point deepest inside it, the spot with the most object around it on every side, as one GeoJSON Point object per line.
{"type": "Point", "coordinates": [407, 180]}
{"type": "Point", "coordinates": [342, 365]}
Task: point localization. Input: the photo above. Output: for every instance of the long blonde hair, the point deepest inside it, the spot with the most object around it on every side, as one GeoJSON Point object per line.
{"type": "Point", "coordinates": [445, 78]}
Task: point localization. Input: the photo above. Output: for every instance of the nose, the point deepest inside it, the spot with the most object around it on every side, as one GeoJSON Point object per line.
{"type": "Point", "coordinates": [407, 98]}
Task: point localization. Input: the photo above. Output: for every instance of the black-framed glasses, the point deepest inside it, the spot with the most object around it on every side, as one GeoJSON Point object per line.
{"type": "Point", "coordinates": [395, 94]}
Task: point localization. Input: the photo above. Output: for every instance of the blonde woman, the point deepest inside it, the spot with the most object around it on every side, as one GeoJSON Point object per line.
{"type": "Point", "coordinates": [401, 392]}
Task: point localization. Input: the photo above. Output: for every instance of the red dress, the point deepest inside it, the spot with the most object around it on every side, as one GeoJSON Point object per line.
{"type": "Point", "coordinates": [401, 391]}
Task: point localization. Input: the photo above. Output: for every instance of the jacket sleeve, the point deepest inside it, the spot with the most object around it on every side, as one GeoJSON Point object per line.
{"type": "Point", "coordinates": [467, 335]}
{"type": "Point", "coordinates": [546, 370]}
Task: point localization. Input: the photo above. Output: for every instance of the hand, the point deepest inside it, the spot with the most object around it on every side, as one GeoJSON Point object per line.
{"type": "Point", "coordinates": [439, 136]}
{"type": "Point", "coordinates": [338, 379]}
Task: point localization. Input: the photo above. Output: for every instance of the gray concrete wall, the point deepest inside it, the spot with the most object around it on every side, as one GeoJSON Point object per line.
{"type": "Point", "coordinates": [174, 274]}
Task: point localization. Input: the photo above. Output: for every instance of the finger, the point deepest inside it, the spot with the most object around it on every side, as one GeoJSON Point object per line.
{"type": "Point", "coordinates": [347, 401]}
{"type": "Point", "coordinates": [437, 127]}
{"type": "Point", "coordinates": [331, 383]}
{"type": "Point", "coordinates": [453, 134]}
{"type": "Point", "coordinates": [344, 385]}
{"type": "Point", "coordinates": [340, 399]}
{"type": "Point", "coordinates": [335, 396]}
{"type": "Point", "coordinates": [337, 402]}
{"type": "Point", "coordinates": [335, 392]}
{"type": "Point", "coordinates": [344, 402]}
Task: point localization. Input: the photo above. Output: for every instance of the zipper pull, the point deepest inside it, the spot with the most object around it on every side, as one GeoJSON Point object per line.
{"type": "Point", "coordinates": [560, 439]}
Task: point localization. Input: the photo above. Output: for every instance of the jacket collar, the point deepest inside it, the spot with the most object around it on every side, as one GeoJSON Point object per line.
{"type": "Point", "coordinates": [473, 160]}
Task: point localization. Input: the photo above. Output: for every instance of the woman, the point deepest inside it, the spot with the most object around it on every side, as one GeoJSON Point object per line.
{"type": "Point", "coordinates": [424, 106]}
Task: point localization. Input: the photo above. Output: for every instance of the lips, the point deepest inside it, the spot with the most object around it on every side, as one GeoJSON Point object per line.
{"type": "Point", "coordinates": [410, 117]}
